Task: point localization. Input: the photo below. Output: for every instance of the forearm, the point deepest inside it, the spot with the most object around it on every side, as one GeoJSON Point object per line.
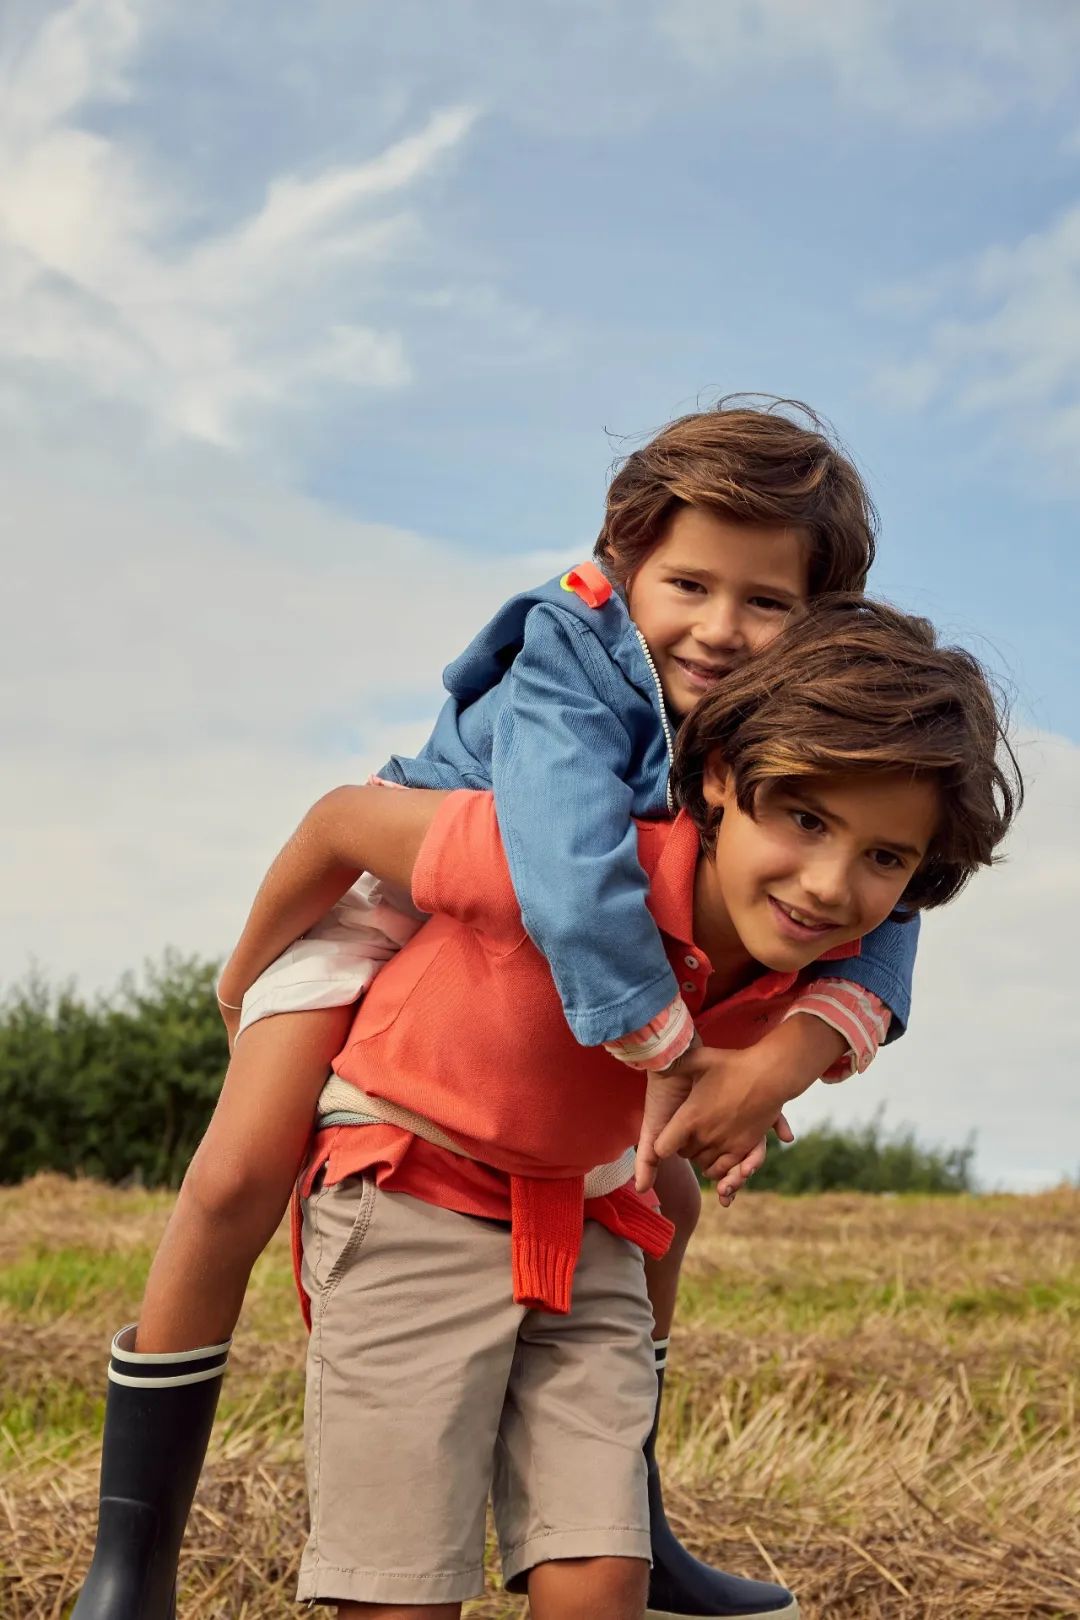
{"type": "Point", "coordinates": [349, 831]}
{"type": "Point", "coordinates": [788, 1060]}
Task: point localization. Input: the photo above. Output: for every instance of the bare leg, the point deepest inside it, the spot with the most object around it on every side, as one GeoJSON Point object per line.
{"type": "Point", "coordinates": [680, 1200]}
{"type": "Point", "coordinates": [238, 1184]}
{"type": "Point", "coordinates": [589, 1589]}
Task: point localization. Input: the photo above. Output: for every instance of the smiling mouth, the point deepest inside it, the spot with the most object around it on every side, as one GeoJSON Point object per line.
{"type": "Point", "coordinates": [805, 921]}
{"type": "Point", "coordinates": [705, 674]}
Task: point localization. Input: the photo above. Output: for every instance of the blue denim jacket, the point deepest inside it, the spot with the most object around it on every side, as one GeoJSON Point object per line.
{"type": "Point", "coordinates": [557, 706]}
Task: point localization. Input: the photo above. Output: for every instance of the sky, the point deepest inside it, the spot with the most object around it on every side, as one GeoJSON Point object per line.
{"type": "Point", "coordinates": [320, 329]}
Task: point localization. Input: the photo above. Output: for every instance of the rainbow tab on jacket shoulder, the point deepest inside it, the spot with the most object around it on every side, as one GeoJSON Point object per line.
{"type": "Point", "coordinates": [588, 582]}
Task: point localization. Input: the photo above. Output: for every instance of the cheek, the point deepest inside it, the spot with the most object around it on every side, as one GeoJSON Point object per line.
{"type": "Point", "coordinates": [879, 897]}
{"type": "Point", "coordinates": [758, 635]}
{"type": "Point", "coordinates": [757, 853]}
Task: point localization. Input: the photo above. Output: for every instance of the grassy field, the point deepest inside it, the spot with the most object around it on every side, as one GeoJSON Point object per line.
{"type": "Point", "coordinates": [873, 1400]}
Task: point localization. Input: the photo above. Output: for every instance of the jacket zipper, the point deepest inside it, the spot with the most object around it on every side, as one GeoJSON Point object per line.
{"type": "Point", "coordinates": [663, 717]}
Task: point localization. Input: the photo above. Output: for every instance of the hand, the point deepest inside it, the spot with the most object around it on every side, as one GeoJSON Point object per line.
{"type": "Point", "coordinates": [732, 1104]}
{"type": "Point", "coordinates": [739, 1176]}
{"type": "Point", "coordinates": [732, 1178]}
{"type": "Point", "coordinates": [665, 1094]}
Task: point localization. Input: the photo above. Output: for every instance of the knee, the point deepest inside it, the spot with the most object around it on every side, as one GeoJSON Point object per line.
{"type": "Point", "coordinates": [680, 1198]}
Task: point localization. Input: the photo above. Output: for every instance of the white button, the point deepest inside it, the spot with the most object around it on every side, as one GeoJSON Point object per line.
{"type": "Point", "coordinates": [688, 984]}
{"type": "Point", "coordinates": [691, 961]}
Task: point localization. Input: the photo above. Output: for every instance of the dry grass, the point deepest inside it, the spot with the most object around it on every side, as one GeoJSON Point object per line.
{"type": "Point", "coordinates": [873, 1399]}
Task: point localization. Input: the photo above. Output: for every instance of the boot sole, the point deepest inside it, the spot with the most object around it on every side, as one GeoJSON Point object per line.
{"type": "Point", "coordinates": [789, 1612]}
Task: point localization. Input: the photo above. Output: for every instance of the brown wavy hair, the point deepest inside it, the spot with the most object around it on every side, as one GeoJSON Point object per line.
{"type": "Point", "coordinates": [771, 463]}
{"type": "Point", "coordinates": [855, 686]}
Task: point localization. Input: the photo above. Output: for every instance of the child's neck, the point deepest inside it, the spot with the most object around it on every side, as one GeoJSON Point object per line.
{"type": "Point", "coordinates": [732, 965]}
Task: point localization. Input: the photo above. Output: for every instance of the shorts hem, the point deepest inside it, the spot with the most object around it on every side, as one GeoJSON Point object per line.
{"type": "Point", "coordinates": [325, 1583]}
{"type": "Point", "coordinates": [605, 1541]}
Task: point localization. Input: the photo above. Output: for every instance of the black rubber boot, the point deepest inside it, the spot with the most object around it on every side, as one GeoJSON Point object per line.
{"type": "Point", "coordinates": [681, 1584]}
{"type": "Point", "coordinates": [158, 1415]}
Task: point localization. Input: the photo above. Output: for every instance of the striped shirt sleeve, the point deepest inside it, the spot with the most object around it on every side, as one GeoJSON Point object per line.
{"type": "Point", "coordinates": [659, 1042]}
{"type": "Point", "coordinates": [860, 1017]}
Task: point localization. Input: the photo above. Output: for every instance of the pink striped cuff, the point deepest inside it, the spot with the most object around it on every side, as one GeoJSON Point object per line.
{"type": "Point", "coordinates": [659, 1042]}
{"type": "Point", "coordinates": [860, 1017]}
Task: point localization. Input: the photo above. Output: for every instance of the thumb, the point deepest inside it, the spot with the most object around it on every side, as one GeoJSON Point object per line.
{"type": "Point", "coordinates": [676, 1133]}
{"type": "Point", "coordinates": [783, 1129]}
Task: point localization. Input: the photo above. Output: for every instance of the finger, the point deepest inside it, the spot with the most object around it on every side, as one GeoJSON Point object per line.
{"type": "Point", "coordinates": [716, 1164]}
{"type": "Point", "coordinates": [754, 1159]}
{"type": "Point", "coordinates": [722, 1171]}
{"type": "Point", "coordinates": [646, 1164]}
{"type": "Point", "coordinates": [783, 1129]}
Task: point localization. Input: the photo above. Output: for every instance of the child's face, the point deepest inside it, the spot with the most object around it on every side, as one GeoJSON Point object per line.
{"type": "Point", "coordinates": [712, 593]}
{"type": "Point", "coordinates": [822, 862]}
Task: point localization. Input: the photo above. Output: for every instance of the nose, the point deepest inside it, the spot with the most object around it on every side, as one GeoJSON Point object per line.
{"type": "Point", "coordinates": [827, 881]}
{"type": "Point", "coordinates": [719, 624]}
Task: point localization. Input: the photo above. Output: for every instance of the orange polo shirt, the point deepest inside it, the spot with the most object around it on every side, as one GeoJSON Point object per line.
{"type": "Point", "coordinates": [464, 1027]}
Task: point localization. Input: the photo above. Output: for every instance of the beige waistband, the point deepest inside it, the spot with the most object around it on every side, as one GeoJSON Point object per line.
{"type": "Point", "coordinates": [342, 1097]}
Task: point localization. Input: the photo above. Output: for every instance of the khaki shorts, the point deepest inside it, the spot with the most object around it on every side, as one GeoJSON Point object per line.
{"type": "Point", "coordinates": [428, 1389]}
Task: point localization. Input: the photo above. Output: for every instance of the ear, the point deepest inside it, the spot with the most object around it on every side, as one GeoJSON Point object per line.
{"type": "Point", "coordinates": [717, 783]}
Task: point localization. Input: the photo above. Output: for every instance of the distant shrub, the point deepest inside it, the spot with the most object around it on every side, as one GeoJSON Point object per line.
{"type": "Point", "coordinates": [865, 1158]}
{"type": "Point", "coordinates": [119, 1087]}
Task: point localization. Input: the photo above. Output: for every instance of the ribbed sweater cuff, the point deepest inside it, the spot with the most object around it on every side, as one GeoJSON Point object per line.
{"type": "Point", "coordinates": [543, 1275]}
{"type": "Point", "coordinates": [546, 1222]}
{"type": "Point", "coordinates": [651, 1231]}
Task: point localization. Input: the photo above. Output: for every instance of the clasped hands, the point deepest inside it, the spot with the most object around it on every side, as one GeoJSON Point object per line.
{"type": "Point", "coordinates": [712, 1106]}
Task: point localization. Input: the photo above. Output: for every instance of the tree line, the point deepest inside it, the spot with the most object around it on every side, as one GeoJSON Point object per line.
{"type": "Point", "coordinates": [121, 1087]}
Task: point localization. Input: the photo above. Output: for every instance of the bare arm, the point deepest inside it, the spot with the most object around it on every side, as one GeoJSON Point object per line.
{"type": "Point", "coordinates": [349, 831]}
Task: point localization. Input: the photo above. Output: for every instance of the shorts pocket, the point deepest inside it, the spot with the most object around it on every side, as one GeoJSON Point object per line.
{"type": "Point", "coordinates": [336, 1222]}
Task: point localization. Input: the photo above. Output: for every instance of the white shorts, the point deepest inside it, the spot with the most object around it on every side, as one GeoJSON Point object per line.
{"type": "Point", "coordinates": [335, 961]}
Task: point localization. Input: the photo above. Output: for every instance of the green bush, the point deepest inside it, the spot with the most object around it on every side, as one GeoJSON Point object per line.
{"type": "Point", "coordinates": [120, 1087]}
{"type": "Point", "coordinates": [864, 1158]}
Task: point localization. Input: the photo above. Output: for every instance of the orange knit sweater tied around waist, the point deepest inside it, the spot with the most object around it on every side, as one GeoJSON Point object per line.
{"type": "Point", "coordinates": [546, 1215]}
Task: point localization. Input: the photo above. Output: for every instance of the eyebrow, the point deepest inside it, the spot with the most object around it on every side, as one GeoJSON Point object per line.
{"type": "Point", "coordinates": [826, 814]}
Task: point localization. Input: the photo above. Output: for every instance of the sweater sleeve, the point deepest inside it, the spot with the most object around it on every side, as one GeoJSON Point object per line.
{"type": "Point", "coordinates": [857, 1015]}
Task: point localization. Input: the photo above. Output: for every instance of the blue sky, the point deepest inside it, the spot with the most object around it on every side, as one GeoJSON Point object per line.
{"type": "Point", "coordinates": [320, 326]}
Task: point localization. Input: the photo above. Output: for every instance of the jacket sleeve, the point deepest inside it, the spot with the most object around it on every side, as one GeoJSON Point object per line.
{"type": "Point", "coordinates": [559, 763]}
{"type": "Point", "coordinates": [885, 967]}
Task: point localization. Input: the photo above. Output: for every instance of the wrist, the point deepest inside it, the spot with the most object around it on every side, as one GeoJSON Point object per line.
{"type": "Point", "coordinates": [779, 1071]}
{"type": "Point", "coordinates": [230, 989]}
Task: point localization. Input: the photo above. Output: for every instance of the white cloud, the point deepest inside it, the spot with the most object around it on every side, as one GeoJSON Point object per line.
{"type": "Point", "coordinates": [192, 656]}
{"type": "Point", "coordinates": [1004, 343]}
{"type": "Point", "coordinates": [108, 283]}
{"type": "Point", "coordinates": [919, 64]}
